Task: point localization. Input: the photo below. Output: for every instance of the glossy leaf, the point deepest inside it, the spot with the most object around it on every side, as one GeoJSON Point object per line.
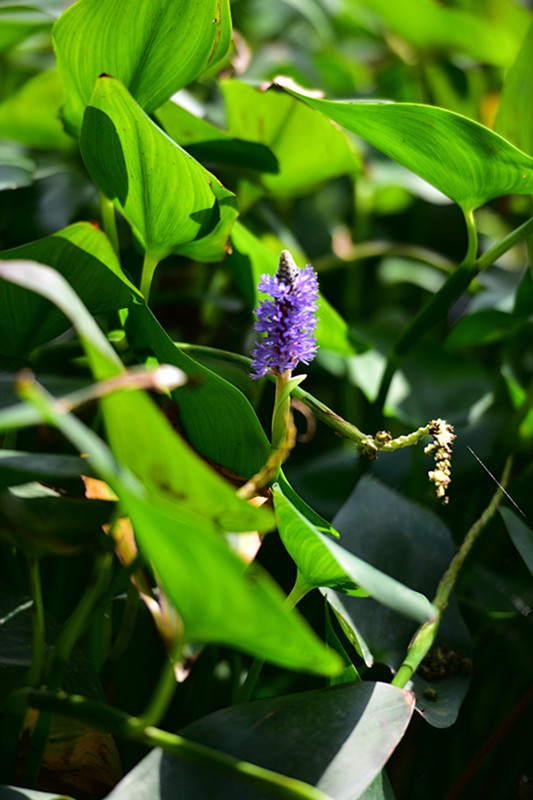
{"type": "Point", "coordinates": [309, 149]}
{"type": "Point", "coordinates": [464, 160]}
{"type": "Point", "coordinates": [84, 256]}
{"type": "Point", "coordinates": [323, 562]}
{"type": "Point", "coordinates": [173, 204]}
{"type": "Point", "coordinates": [31, 115]}
{"type": "Point", "coordinates": [521, 535]}
{"type": "Point", "coordinates": [250, 259]}
{"type": "Point", "coordinates": [215, 416]}
{"type": "Point", "coordinates": [205, 142]}
{"type": "Point", "coordinates": [515, 116]}
{"type": "Point", "coordinates": [336, 739]}
{"type": "Point", "coordinates": [396, 535]}
{"type": "Point", "coordinates": [162, 47]}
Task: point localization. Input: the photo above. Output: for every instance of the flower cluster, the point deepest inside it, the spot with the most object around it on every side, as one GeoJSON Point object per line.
{"type": "Point", "coordinates": [441, 450]}
{"type": "Point", "coordinates": [287, 320]}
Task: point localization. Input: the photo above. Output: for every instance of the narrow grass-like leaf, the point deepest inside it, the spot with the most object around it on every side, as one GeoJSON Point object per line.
{"type": "Point", "coordinates": [464, 160]}
{"type": "Point", "coordinates": [84, 256]}
{"type": "Point", "coordinates": [155, 47]}
{"type": "Point", "coordinates": [337, 739]}
{"type": "Point", "coordinates": [173, 204]}
{"type": "Point", "coordinates": [323, 562]}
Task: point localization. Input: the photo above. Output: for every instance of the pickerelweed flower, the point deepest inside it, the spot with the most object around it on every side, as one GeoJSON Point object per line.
{"type": "Point", "coordinates": [287, 320]}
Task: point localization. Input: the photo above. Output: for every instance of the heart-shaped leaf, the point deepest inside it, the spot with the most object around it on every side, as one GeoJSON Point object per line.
{"type": "Point", "coordinates": [163, 46]}
{"type": "Point", "coordinates": [173, 204]}
{"type": "Point", "coordinates": [464, 160]}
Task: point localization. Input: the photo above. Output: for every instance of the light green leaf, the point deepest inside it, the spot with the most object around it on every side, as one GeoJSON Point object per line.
{"type": "Point", "coordinates": [163, 46]}
{"type": "Point", "coordinates": [515, 115]}
{"type": "Point", "coordinates": [84, 256]}
{"type": "Point", "coordinates": [464, 160]}
{"type": "Point", "coordinates": [31, 115]}
{"type": "Point", "coordinates": [216, 417]}
{"type": "Point", "coordinates": [250, 259]}
{"type": "Point", "coordinates": [322, 562]}
{"type": "Point", "coordinates": [309, 149]}
{"type": "Point", "coordinates": [205, 142]}
{"type": "Point", "coordinates": [337, 739]}
{"type": "Point", "coordinates": [17, 22]}
{"type": "Point", "coordinates": [521, 535]}
{"type": "Point", "coordinates": [173, 204]}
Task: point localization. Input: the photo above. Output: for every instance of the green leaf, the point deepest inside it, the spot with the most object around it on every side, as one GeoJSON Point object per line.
{"type": "Point", "coordinates": [480, 328]}
{"type": "Point", "coordinates": [31, 115]}
{"type": "Point", "coordinates": [521, 535]}
{"type": "Point", "coordinates": [398, 536]}
{"type": "Point", "coordinates": [322, 562]}
{"type": "Point", "coordinates": [205, 142]}
{"type": "Point", "coordinates": [250, 259]}
{"type": "Point", "coordinates": [163, 46]}
{"type": "Point", "coordinates": [309, 149]}
{"type": "Point", "coordinates": [336, 739]}
{"type": "Point", "coordinates": [173, 204]}
{"type": "Point", "coordinates": [19, 467]}
{"type": "Point", "coordinates": [18, 793]}
{"type": "Point", "coordinates": [17, 22]}
{"type": "Point", "coordinates": [379, 789]}
{"type": "Point", "coordinates": [84, 256]}
{"type": "Point", "coordinates": [16, 169]}
{"type": "Point", "coordinates": [464, 160]}
{"type": "Point", "coordinates": [515, 116]}
{"type": "Point", "coordinates": [215, 416]}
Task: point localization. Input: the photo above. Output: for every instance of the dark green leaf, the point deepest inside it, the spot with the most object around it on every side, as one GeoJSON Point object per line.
{"type": "Point", "coordinates": [173, 204]}
{"type": "Point", "coordinates": [480, 328]}
{"type": "Point", "coordinates": [336, 739]}
{"type": "Point", "coordinates": [521, 535]}
{"type": "Point", "coordinates": [163, 45]}
{"type": "Point", "coordinates": [19, 467]}
{"type": "Point", "coordinates": [464, 160]}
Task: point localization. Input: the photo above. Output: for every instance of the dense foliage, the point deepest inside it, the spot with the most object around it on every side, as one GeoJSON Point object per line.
{"type": "Point", "coordinates": [218, 579]}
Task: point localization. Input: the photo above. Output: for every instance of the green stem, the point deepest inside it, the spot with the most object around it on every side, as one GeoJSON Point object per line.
{"type": "Point", "coordinates": [425, 635]}
{"type": "Point", "coordinates": [149, 265]}
{"type": "Point", "coordinates": [35, 674]}
{"type": "Point", "coordinates": [117, 723]}
{"type": "Point", "coordinates": [109, 221]}
{"type": "Point", "coordinates": [164, 692]}
{"type": "Point", "coordinates": [127, 626]}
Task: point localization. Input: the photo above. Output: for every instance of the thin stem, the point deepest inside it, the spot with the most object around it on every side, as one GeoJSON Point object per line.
{"type": "Point", "coordinates": [164, 692]}
{"type": "Point", "coordinates": [425, 635]}
{"type": "Point", "coordinates": [109, 221]}
{"type": "Point", "coordinates": [34, 675]}
{"type": "Point", "coordinates": [117, 723]}
{"type": "Point", "coordinates": [149, 265]}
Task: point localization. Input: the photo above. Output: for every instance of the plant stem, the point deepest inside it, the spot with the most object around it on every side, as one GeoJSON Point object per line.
{"type": "Point", "coordinates": [149, 265]}
{"type": "Point", "coordinates": [117, 723]}
{"type": "Point", "coordinates": [38, 650]}
{"type": "Point", "coordinates": [164, 692]}
{"type": "Point", "coordinates": [425, 635]}
{"type": "Point", "coordinates": [107, 210]}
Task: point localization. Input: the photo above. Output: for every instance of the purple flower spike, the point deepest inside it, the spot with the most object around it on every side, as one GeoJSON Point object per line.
{"type": "Point", "coordinates": [287, 320]}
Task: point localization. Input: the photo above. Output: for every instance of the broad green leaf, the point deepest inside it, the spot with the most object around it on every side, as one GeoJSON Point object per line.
{"type": "Point", "coordinates": [428, 25]}
{"type": "Point", "coordinates": [322, 562]}
{"type": "Point", "coordinates": [309, 149]}
{"type": "Point", "coordinates": [20, 467]}
{"type": "Point", "coordinates": [480, 328]}
{"type": "Point", "coordinates": [173, 204]}
{"type": "Point", "coordinates": [31, 115]}
{"type": "Point", "coordinates": [250, 259]}
{"type": "Point", "coordinates": [205, 142]}
{"type": "Point", "coordinates": [163, 45]}
{"type": "Point", "coordinates": [521, 535]}
{"type": "Point", "coordinates": [336, 739]}
{"type": "Point", "coordinates": [464, 160]}
{"type": "Point", "coordinates": [17, 22]}
{"type": "Point", "coordinates": [215, 416]}
{"type": "Point", "coordinates": [397, 536]}
{"type": "Point", "coordinates": [515, 115]}
{"type": "Point", "coordinates": [84, 256]}
{"type": "Point", "coordinates": [379, 789]}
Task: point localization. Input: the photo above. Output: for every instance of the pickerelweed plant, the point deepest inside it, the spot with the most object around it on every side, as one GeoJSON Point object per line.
{"type": "Point", "coordinates": [155, 538]}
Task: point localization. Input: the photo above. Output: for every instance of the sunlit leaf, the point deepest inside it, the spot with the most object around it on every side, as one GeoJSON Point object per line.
{"type": "Point", "coordinates": [173, 204]}
{"type": "Point", "coordinates": [31, 115]}
{"type": "Point", "coordinates": [464, 160]}
{"type": "Point", "coordinates": [336, 739]}
{"type": "Point", "coordinates": [162, 47]}
{"type": "Point", "coordinates": [515, 115]}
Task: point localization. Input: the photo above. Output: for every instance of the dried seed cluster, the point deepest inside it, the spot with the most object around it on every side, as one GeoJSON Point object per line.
{"type": "Point", "coordinates": [441, 449]}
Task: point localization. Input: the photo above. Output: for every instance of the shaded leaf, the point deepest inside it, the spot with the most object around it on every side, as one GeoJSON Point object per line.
{"type": "Point", "coordinates": [521, 535]}
{"type": "Point", "coordinates": [480, 328]}
{"type": "Point", "coordinates": [464, 160]}
{"type": "Point", "coordinates": [19, 467]}
{"type": "Point", "coordinates": [31, 115]}
{"type": "Point", "coordinates": [162, 47]}
{"type": "Point", "coordinates": [515, 116]}
{"type": "Point", "coordinates": [336, 739]}
{"type": "Point", "coordinates": [173, 204]}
